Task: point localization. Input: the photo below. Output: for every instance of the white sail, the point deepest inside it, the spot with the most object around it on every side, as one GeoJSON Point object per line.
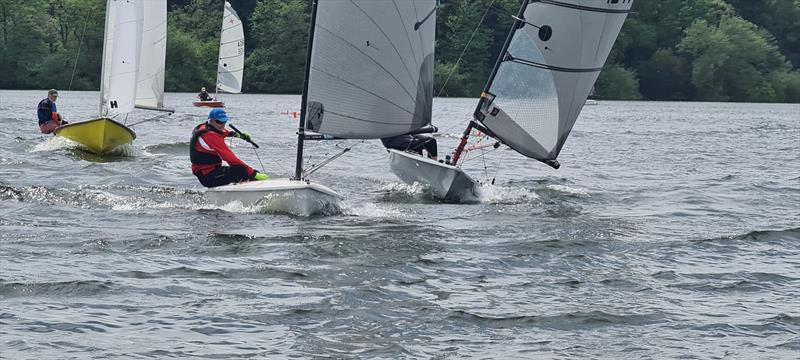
{"type": "Point", "coordinates": [230, 68]}
{"type": "Point", "coordinates": [371, 70]}
{"type": "Point", "coordinates": [545, 76]}
{"type": "Point", "coordinates": [150, 87]}
{"type": "Point", "coordinates": [121, 56]}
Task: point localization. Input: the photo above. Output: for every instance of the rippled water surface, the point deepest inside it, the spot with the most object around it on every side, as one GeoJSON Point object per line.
{"type": "Point", "coordinates": [672, 230]}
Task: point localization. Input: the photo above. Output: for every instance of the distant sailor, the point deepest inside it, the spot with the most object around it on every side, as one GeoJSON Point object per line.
{"type": "Point", "coordinates": [203, 95]}
{"type": "Point", "coordinates": [413, 143]}
{"type": "Point", "coordinates": [49, 118]}
{"type": "Point", "coordinates": [207, 150]}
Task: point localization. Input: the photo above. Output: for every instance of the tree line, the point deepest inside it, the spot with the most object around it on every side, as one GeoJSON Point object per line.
{"type": "Point", "coordinates": [712, 50]}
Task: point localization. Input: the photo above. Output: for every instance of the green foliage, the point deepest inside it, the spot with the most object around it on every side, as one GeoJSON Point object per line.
{"type": "Point", "coordinates": [616, 82]}
{"type": "Point", "coordinates": [449, 80]}
{"type": "Point", "coordinates": [721, 50]}
{"type": "Point", "coordinates": [733, 61]}
{"type": "Point", "coordinates": [279, 35]}
{"type": "Point", "coordinates": [665, 76]}
{"type": "Point", "coordinates": [457, 37]}
{"type": "Point", "coordinates": [196, 64]}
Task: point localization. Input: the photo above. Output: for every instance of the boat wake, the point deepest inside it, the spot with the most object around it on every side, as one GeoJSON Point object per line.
{"type": "Point", "coordinates": [116, 198]}
{"type": "Point", "coordinates": [496, 194]}
{"type": "Point", "coordinates": [371, 210]}
{"type": "Point", "coordinates": [55, 143]}
{"type": "Point", "coordinates": [62, 143]}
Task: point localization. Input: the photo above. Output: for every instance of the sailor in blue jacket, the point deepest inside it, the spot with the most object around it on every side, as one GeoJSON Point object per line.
{"type": "Point", "coordinates": [49, 118]}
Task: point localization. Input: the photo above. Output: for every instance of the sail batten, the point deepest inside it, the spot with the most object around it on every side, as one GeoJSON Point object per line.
{"type": "Point", "coordinates": [547, 71]}
{"type": "Point", "coordinates": [370, 75]}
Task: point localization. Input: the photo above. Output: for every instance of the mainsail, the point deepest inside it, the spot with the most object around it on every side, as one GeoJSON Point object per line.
{"type": "Point", "coordinates": [543, 78]}
{"type": "Point", "coordinates": [230, 68]}
{"type": "Point", "coordinates": [371, 68]}
{"type": "Point", "coordinates": [121, 51]}
{"type": "Point", "coordinates": [150, 87]}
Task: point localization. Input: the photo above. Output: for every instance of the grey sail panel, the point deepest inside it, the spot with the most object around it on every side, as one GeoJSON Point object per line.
{"type": "Point", "coordinates": [371, 68]}
{"type": "Point", "coordinates": [548, 71]}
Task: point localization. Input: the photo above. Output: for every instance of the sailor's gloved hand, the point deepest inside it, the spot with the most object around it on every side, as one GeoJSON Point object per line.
{"type": "Point", "coordinates": [244, 136]}
{"type": "Point", "coordinates": [260, 176]}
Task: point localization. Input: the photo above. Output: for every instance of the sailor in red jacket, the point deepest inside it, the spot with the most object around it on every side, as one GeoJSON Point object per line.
{"type": "Point", "coordinates": [207, 150]}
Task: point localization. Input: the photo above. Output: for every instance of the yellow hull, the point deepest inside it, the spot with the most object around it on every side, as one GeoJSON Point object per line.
{"type": "Point", "coordinates": [100, 136]}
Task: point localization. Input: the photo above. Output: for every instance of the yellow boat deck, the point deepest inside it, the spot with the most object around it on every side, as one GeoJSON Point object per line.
{"type": "Point", "coordinates": [100, 136]}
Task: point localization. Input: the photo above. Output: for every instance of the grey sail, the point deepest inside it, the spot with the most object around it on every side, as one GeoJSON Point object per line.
{"type": "Point", "coordinates": [548, 71]}
{"type": "Point", "coordinates": [371, 72]}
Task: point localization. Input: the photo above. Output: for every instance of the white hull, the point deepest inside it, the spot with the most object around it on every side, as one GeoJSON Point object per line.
{"type": "Point", "coordinates": [446, 182]}
{"type": "Point", "coordinates": [279, 196]}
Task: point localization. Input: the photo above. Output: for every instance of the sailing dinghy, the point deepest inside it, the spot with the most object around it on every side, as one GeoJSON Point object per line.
{"type": "Point", "coordinates": [230, 63]}
{"type": "Point", "coordinates": [134, 53]}
{"type": "Point", "coordinates": [369, 74]}
{"type": "Point", "coordinates": [538, 86]}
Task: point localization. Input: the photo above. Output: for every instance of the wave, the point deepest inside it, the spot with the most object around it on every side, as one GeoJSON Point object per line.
{"type": "Point", "coordinates": [792, 235]}
{"type": "Point", "coordinates": [59, 288]}
{"type": "Point", "coordinates": [118, 198]}
{"type": "Point", "coordinates": [181, 148]}
{"type": "Point", "coordinates": [565, 321]}
{"type": "Point", "coordinates": [564, 189]}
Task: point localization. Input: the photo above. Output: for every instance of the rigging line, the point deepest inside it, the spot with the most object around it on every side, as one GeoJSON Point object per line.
{"type": "Point", "coordinates": [452, 70]}
{"type": "Point", "coordinates": [483, 157]}
{"type": "Point", "coordinates": [75, 66]}
{"type": "Point", "coordinates": [146, 120]}
{"type": "Point", "coordinates": [259, 160]}
{"type": "Point", "coordinates": [314, 168]}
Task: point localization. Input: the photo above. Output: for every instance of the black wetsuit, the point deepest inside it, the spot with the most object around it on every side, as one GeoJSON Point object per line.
{"type": "Point", "coordinates": [204, 96]}
{"type": "Point", "coordinates": [414, 143]}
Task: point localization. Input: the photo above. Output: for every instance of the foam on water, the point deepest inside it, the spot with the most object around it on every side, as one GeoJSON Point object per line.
{"type": "Point", "coordinates": [496, 194]}
{"type": "Point", "coordinates": [568, 190]}
{"type": "Point", "coordinates": [55, 143]}
{"type": "Point", "coordinates": [372, 210]}
{"type": "Point", "coordinates": [411, 190]}
{"type": "Point", "coordinates": [62, 143]}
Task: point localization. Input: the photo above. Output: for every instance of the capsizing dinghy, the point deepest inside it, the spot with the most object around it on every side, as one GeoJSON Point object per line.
{"type": "Point", "coordinates": [548, 64]}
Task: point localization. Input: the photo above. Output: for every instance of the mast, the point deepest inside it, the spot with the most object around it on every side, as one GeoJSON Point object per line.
{"type": "Point", "coordinates": [301, 129]}
{"type": "Point", "coordinates": [219, 51]}
{"type": "Point", "coordinates": [485, 93]}
{"type": "Point", "coordinates": [103, 59]}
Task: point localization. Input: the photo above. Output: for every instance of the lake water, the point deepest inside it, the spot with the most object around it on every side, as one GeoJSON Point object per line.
{"type": "Point", "coordinates": [672, 230]}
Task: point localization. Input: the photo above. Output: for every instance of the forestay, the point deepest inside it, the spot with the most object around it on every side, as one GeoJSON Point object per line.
{"type": "Point", "coordinates": [546, 74]}
{"type": "Point", "coordinates": [150, 86]}
{"type": "Point", "coordinates": [371, 70]}
{"type": "Point", "coordinates": [230, 68]}
{"type": "Point", "coordinates": [121, 51]}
